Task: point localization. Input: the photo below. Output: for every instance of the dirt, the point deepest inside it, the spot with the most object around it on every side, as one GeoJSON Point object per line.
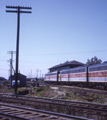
{"type": "Point", "coordinates": [64, 92]}
{"type": "Point", "coordinates": [80, 94]}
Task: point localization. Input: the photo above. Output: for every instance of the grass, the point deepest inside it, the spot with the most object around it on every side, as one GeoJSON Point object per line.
{"type": "Point", "coordinates": [44, 92]}
{"type": "Point", "coordinates": [5, 90]}
{"type": "Point", "coordinates": [82, 95]}
{"type": "Point", "coordinates": [69, 94]}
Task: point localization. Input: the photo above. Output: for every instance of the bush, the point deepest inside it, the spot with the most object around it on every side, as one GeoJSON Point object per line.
{"type": "Point", "coordinates": [68, 94]}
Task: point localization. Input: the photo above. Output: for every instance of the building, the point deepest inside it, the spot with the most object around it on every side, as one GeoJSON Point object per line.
{"type": "Point", "coordinates": [2, 79]}
{"type": "Point", "coordinates": [21, 80]}
{"type": "Point", "coordinates": [66, 65]}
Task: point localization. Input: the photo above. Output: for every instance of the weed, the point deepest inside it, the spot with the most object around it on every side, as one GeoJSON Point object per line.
{"type": "Point", "coordinates": [68, 94]}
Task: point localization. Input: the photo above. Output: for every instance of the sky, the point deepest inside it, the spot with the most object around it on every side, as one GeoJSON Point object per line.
{"type": "Point", "coordinates": [55, 32]}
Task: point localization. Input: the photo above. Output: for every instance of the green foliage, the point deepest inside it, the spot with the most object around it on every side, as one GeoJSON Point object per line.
{"type": "Point", "coordinates": [68, 94]}
{"type": "Point", "coordinates": [61, 93]}
{"type": "Point", "coordinates": [6, 83]}
{"type": "Point", "coordinates": [39, 89]}
{"type": "Point", "coordinates": [3, 90]}
{"type": "Point", "coordinates": [22, 89]}
{"type": "Point", "coordinates": [44, 92]}
{"type": "Point", "coordinates": [93, 61]}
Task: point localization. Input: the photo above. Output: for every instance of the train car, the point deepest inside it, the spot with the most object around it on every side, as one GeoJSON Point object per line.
{"type": "Point", "coordinates": [75, 76]}
{"type": "Point", "coordinates": [98, 76]}
{"type": "Point", "coordinates": [51, 77]}
{"type": "Point", "coordinates": [63, 77]}
{"type": "Point", "coordinates": [94, 76]}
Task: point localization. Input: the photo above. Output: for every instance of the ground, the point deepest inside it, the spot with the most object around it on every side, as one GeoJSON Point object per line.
{"type": "Point", "coordinates": [62, 92]}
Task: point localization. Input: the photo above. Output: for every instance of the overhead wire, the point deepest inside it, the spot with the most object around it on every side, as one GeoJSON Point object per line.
{"type": "Point", "coordinates": [4, 56]}
{"type": "Point", "coordinates": [3, 60]}
{"type": "Point", "coordinates": [3, 69]}
{"type": "Point", "coordinates": [66, 53]}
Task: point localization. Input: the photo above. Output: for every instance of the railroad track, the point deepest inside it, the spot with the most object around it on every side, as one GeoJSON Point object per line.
{"type": "Point", "coordinates": [82, 109]}
{"type": "Point", "coordinates": [12, 112]}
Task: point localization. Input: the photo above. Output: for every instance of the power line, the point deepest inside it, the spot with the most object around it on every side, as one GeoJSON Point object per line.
{"type": "Point", "coordinates": [4, 56]}
{"type": "Point", "coordinates": [3, 60]}
{"type": "Point", "coordinates": [65, 53]}
{"type": "Point", "coordinates": [38, 63]}
{"type": "Point", "coordinates": [4, 69]}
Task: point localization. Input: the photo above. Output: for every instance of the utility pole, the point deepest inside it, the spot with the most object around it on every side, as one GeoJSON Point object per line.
{"type": "Point", "coordinates": [10, 71]}
{"type": "Point", "coordinates": [31, 73]}
{"type": "Point", "coordinates": [40, 74]}
{"type": "Point", "coordinates": [11, 61]}
{"type": "Point", "coordinates": [18, 11]}
{"type": "Point", "coordinates": [37, 73]}
{"type": "Point", "coordinates": [11, 65]}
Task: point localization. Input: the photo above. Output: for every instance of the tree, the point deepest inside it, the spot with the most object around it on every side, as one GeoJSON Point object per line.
{"type": "Point", "coordinates": [93, 61]}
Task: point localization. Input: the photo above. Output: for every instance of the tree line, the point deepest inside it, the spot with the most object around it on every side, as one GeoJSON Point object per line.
{"type": "Point", "coordinates": [93, 61]}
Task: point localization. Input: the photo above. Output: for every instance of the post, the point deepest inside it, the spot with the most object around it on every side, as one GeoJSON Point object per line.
{"type": "Point", "coordinates": [17, 44]}
{"type": "Point", "coordinates": [87, 74]}
{"type": "Point", "coordinates": [17, 49]}
{"type": "Point", "coordinates": [11, 64]}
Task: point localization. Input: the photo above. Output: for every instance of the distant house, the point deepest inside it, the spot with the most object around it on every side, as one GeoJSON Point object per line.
{"type": "Point", "coordinates": [66, 65]}
{"type": "Point", "coordinates": [2, 79]}
{"type": "Point", "coordinates": [21, 82]}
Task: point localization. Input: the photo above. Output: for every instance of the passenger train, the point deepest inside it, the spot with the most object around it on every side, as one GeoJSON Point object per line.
{"type": "Point", "coordinates": [94, 76]}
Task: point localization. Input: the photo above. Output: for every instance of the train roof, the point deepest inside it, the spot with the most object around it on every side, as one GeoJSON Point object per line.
{"type": "Point", "coordinates": [51, 73]}
{"type": "Point", "coordinates": [96, 65]}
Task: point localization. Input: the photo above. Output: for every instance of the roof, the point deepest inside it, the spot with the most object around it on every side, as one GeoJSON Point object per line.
{"type": "Point", "coordinates": [67, 63]}
{"type": "Point", "coordinates": [2, 78]}
{"type": "Point", "coordinates": [101, 64]}
{"type": "Point", "coordinates": [79, 67]}
{"type": "Point", "coordinates": [19, 74]}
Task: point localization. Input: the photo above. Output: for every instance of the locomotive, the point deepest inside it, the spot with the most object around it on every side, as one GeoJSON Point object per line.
{"type": "Point", "coordinates": [93, 76]}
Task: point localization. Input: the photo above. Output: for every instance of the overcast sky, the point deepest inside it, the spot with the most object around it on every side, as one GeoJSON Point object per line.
{"type": "Point", "coordinates": [55, 31]}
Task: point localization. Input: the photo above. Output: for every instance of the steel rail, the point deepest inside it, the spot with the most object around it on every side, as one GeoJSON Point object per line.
{"type": "Point", "coordinates": [53, 103]}
{"type": "Point", "coordinates": [14, 116]}
{"type": "Point", "coordinates": [58, 100]}
{"type": "Point", "coordinates": [47, 112]}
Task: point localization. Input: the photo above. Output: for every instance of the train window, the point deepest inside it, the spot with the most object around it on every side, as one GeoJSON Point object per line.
{"type": "Point", "coordinates": [65, 72]}
{"type": "Point", "coordinates": [104, 68]}
{"type": "Point", "coordinates": [46, 74]}
{"type": "Point", "coordinates": [77, 70]}
{"type": "Point", "coordinates": [98, 68]}
{"type": "Point", "coordinates": [50, 74]}
{"type": "Point", "coordinates": [82, 70]}
{"type": "Point", "coordinates": [91, 69]}
{"type": "Point", "coordinates": [53, 73]}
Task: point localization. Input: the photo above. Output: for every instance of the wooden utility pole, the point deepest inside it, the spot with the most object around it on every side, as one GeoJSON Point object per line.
{"type": "Point", "coordinates": [11, 61]}
{"type": "Point", "coordinates": [37, 73]}
{"type": "Point", "coordinates": [11, 65]}
{"type": "Point", "coordinates": [18, 11]}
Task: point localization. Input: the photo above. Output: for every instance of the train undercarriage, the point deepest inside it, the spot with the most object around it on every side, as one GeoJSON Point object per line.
{"type": "Point", "coordinates": [93, 85]}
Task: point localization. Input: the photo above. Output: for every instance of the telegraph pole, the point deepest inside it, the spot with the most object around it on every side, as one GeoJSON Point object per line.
{"type": "Point", "coordinates": [11, 61]}
{"type": "Point", "coordinates": [11, 64]}
{"type": "Point", "coordinates": [37, 73]}
{"type": "Point", "coordinates": [18, 11]}
{"type": "Point", "coordinates": [40, 74]}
